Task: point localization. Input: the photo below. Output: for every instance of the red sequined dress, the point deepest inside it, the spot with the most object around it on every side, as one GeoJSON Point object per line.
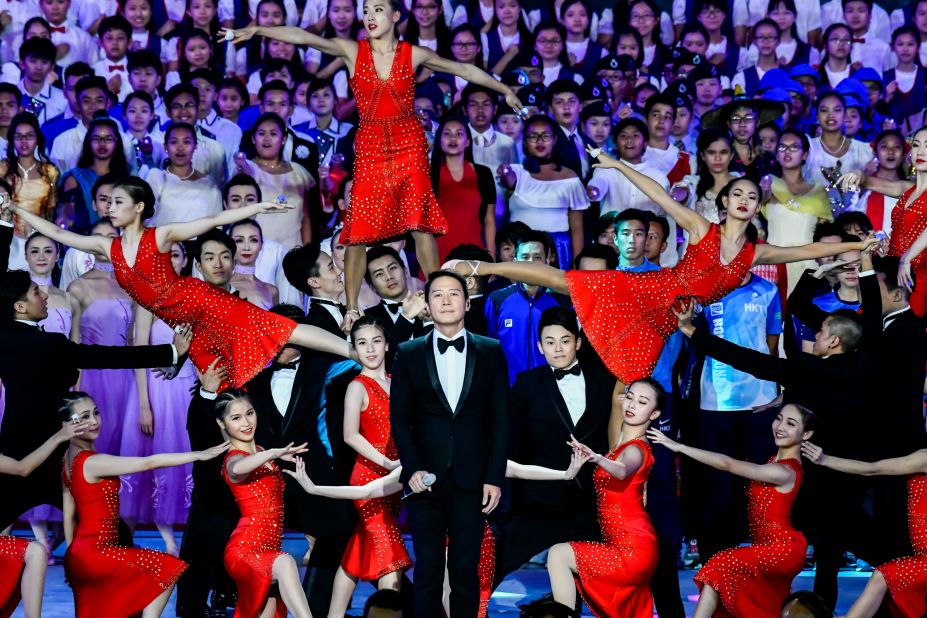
{"type": "Point", "coordinates": [755, 580]}
{"type": "Point", "coordinates": [614, 575]}
{"type": "Point", "coordinates": [225, 326]}
{"type": "Point", "coordinates": [107, 578]}
{"type": "Point", "coordinates": [627, 316]}
{"type": "Point", "coordinates": [392, 191]}
{"type": "Point", "coordinates": [376, 547]}
{"type": "Point", "coordinates": [12, 563]}
{"type": "Point", "coordinates": [908, 221]}
{"type": "Point", "coordinates": [256, 541]}
{"type": "Point", "coordinates": [907, 577]}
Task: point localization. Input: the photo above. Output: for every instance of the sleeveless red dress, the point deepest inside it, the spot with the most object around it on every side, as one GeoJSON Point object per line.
{"type": "Point", "coordinates": [627, 317]}
{"type": "Point", "coordinates": [376, 547]}
{"type": "Point", "coordinates": [107, 578]}
{"type": "Point", "coordinates": [755, 580]}
{"type": "Point", "coordinates": [392, 184]}
{"type": "Point", "coordinates": [12, 563]}
{"type": "Point", "coordinates": [614, 575]}
{"type": "Point", "coordinates": [907, 577]}
{"type": "Point", "coordinates": [256, 541]}
{"type": "Point", "coordinates": [462, 204]}
{"type": "Point", "coordinates": [225, 326]}
{"type": "Point", "coordinates": [908, 222]}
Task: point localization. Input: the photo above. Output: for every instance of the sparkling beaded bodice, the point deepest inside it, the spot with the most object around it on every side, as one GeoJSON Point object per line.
{"type": "Point", "coordinates": [374, 421]}
{"type": "Point", "coordinates": [917, 513]}
{"type": "Point", "coordinates": [97, 504]}
{"type": "Point", "coordinates": [384, 101]}
{"type": "Point", "coordinates": [701, 274]}
{"type": "Point", "coordinates": [260, 500]}
{"type": "Point", "coordinates": [768, 509]}
{"type": "Point", "coordinates": [621, 501]}
{"type": "Point", "coordinates": [908, 222]}
{"type": "Point", "coordinates": [151, 281]}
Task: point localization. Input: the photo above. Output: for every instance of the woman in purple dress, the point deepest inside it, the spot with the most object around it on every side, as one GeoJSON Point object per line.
{"type": "Point", "coordinates": [105, 319]}
{"type": "Point", "coordinates": [162, 496]}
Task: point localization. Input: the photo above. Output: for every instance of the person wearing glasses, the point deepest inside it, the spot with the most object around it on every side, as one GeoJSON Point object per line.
{"type": "Point", "coordinates": [796, 205]}
{"type": "Point", "coordinates": [766, 39]}
{"type": "Point", "coordinates": [210, 158]}
{"type": "Point", "coordinates": [550, 47]}
{"type": "Point", "coordinates": [546, 195]}
{"type": "Point", "coordinates": [835, 65]}
{"type": "Point", "coordinates": [722, 52]}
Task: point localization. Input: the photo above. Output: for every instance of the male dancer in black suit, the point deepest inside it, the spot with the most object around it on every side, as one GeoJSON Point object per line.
{"type": "Point", "coordinates": [312, 271]}
{"type": "Point", "coordinates": [37, 369]}
{"type": "Point", "coordinates": [448, 406]}
{"type": "Point", "coordinates": [549, 404]}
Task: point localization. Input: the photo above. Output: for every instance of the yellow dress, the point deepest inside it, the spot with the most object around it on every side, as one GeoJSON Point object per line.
{"type": "Point", "coordinates": [37, 195]}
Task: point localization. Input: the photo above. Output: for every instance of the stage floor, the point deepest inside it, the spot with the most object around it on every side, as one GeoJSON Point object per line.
{"type": "Point", "coordinates": [525, 585]}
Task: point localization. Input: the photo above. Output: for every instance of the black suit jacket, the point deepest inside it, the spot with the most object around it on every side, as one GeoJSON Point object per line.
{"type": "Point", "coordinates": [319, 316]}
{"type": "Point", "coordinates": [475, 320]}
{"type": "Point", "coordinates": [6, 239]}
{"type": "Point", "coordinates": [210, 492]}
{"type": "Point", "coordinates": [469, 440]}
{"type": "Point", "coordinates": [540, 427]}
{"type": "Point", "coordinates": [400, 332]}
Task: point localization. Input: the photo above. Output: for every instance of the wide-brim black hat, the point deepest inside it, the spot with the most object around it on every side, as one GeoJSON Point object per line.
{"type": "Point", "coordinates": [767, 111]}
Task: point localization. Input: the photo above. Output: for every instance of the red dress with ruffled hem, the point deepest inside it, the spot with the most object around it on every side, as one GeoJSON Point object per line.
{"type": "Point", "coordinates": [392, 191]}
{"type": "Point", "coordinates": [627, 317]}
{"type": "Point", "coordinates": [755, 580]}
{"type": "Point", "coordinates": [614, 575]}
{"type": "Point", "coordinates": [257, 540]}
{"type": "Point", "coordinates": [12, 563]}
{"type": "Point", "coordinates": [376, 547]}
{"type": "Point", "coordinates": [246, 337]}
{"type": "Point", "coordinates": [908, 222]}
{"type": "Point", "coordinates": [907, 577]}
{"type": "Point", "coordinates": [107, 578]}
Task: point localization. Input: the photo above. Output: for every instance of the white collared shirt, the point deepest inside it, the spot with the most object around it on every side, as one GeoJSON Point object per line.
{"type": "Point", "coordinates": [81, 46]}
{"type": "Point", "coordinates": [281, 387]}
{"type": "Point", "coordinates": [451, 366]}
{"type": "Point", "coordinates": [53, 100]}
{"type": "Point", "coordinates": [577, 142]}
{"type": "Point", "coordinates": [333, 310]}
{"type": "Point", "coordinates": [573, 390]}
{"type": "Point", "coordinates": [891, 317]}
{"type": "Point", "coordinates": [227, 133]}
{"type": "Point", "coordinates": [29, 323]}
{"type": "Point", "coordinates": [104, 68]}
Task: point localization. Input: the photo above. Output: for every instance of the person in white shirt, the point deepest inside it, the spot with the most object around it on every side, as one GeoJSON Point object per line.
{"type": "Point", "coordinates": [37, 59]}
{"type": "Point", "coordinates": [832, 13]}
{"type": "Point", "coordinates": [73, 43]}
{"type": "Point", "coordinates": [210, 157]}
{"type": "Point", "coordinates": [616, 193]}
{"type": "Point", "coordinates": [793, 47]}
{"type": "Point", "coordinates": [833, 145]}
{"type": "Point", "coordinates": [806, 15]}
{"type": "Point", "coordinates": [145, 70]}
{"type": "Point", "coordinates": [490, 147]}
{"type": "Point", "coordinates": [868, 50]}
{"type": "Point", "coordinates": [712, 14]}
{"type": "Point", "coordinates": [115, 33]}
{"type": "Point", "coordinates": [766, 40]}
{"type": "Point", "coordinates": [9, 107]}
{"type": "Point", "coordinates": [226, 132]}
{"type": "Point", "coordinates": [835, 65]}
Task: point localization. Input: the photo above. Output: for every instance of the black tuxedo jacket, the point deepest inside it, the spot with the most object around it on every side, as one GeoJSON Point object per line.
{"type": "Point", "coordinates": [319, 316]}
{"type": "Point", "coordinates": [540, 427]}
{"type": "Point", "coordinates": [475, 320]}
{"type": "Point", "coordinates": [470, 440]}
{"type": "Point", "coordinates": [211, 495]}
{"type": "Point", "coordinates": [400, 332]}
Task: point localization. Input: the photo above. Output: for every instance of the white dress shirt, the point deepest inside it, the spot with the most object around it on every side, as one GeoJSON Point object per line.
{"type": "Point", "coordinates": [880, 24]}
{"type": "Point", "coordinates": [872, 52]}
{"type": "Point", "coordinates": [108, 69]}
{"type": "Point", "coordinates": [226, 132]}
{"type": "Point", "coordinates": [81, 46]}
{"type": "Point", "coordinates": [209, 158]}
{"type": "Point", "coordinates": [451, 366]}
{"type": "Point", "coordinates": [330, 306]}
{"type": "Point", "coordinates": [281, 387]}
{"type": "Point", "coordinates": [573, 390]}
{"type": "Point", "coordinates": [50, 97]}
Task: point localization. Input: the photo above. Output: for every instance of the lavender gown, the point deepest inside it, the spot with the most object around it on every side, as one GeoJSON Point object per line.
{"type": "Point", "coordinates": [58, 321]}
{"type": "Point", "coordinates": [106, 322]}
{"type": "Point", "coordinates": [161, 496]}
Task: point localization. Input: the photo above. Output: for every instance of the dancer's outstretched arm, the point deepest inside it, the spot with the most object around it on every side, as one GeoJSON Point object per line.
{"type": "Point", "coordinates": [774, 474]}
{"type": "Point", "coordinates": [853, 181]}
{"type": "Point", "coordinates": [531, 273]}
{"type": "Point", "coordinates": [422, 56]}
{"type": "Point", "coordinates": [240, 466]}
{"type": "Point", "coordinates": [689, 220]}
{"type": "Point", "coordinates": [629, 462]}
{"type": "Point", "coordinates": [167, 235]}
{"type": "Point", "coordinates": [100, 465]}
{"type": "Point", "coordinates": [340, 48]}
{"type": "Point", "coordinates": [915, 463]}
{"type": "Point", "coordinates": [96, 244]}
{"type": "Point", "coordinates": [379, 488]}
{"type": "Point", "coordinates": [24, 466]}
{"type": "Point", "coordinates": [515, 470]}
{"type": "Point", "coordinates": [772, 254]}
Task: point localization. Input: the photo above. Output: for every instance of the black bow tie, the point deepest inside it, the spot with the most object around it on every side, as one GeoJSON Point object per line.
{"type": "Point", "coordinates": [325, 301]}
{"type": "Point", "coordinates": [572, 371]}
{"type": "Point", "coordinates": [392, 307]}
{"type": "Point", "coordinates": [457, 344]}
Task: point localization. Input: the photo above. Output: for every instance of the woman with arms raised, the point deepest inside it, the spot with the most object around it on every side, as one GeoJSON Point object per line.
{"type": "Point", "coordinates": [245, 337]}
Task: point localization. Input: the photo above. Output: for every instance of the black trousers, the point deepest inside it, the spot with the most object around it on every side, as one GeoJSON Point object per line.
{"type": "Point", "coordinates": [524, 536]}
{"type": "Point", "coordinates": [204, 540]}
{"type": "Point", "coordinates": [452, 515]}
{"type": "Point", "coordinates": [742, 434]}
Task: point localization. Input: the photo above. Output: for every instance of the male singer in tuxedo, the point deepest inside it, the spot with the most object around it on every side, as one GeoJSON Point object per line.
{"type": "Point", "coordinates": [549, 404]}
{"type": "Point", "coordinates": [312, 271]}
{"type": "Point", "coordinates": [37, 369]}
{"type": "Point", "coordinates": [448, 406]}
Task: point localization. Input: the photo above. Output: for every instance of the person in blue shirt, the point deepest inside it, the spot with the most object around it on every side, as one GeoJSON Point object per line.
{"type": "Point", "coordinates": [632, 227]}
{"type": "Point", "coordinates": [513, 313]}
{"type": "Point", "coordinates": [751, 317]}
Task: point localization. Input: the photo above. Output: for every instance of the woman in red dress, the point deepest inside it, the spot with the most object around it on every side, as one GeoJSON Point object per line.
{"type": "Point", "coordinates": [392, 191]}
{"type": "Point", "coordinates": [107, 578]}
{"type": "Point", "coordinates": [626, 316]}
{"type": "Point", "coordinates": [389, 485]}
{"type": "Point", "coordinates": [614, 576]}
{"type": "Point", "coordinates": [755, 580]}
{"type": "Point", "coordinates": [253, 557]}
{"type": "Point", "coordinates": [23, 563]}
{"type": "Point", "coordinates": [904, 579]}
{"type": "Point", "coordinates": [224, 326]}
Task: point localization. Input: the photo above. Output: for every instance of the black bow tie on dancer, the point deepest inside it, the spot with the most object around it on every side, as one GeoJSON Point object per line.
{"type": "Point", "coordinates": [325, 301]}
{"type": "Point", "coordinates": [572, 371]}
{"type": "Point", "coordinates": [457, 344]}
{"type": "Point", "coordinates": [393, 307]}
